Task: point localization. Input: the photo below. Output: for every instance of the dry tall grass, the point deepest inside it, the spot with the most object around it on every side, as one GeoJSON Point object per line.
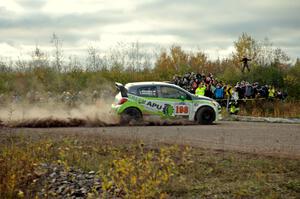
{"type": "Point", "coordinates": [274, 108]}
{"type": "Point", "coordinates": [141, 171]}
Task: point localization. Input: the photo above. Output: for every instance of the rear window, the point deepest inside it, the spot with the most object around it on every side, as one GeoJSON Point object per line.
{"type": "Point", "coordinates": [147, 91]}
{"type": "Point", "coordinates": [131, 90]}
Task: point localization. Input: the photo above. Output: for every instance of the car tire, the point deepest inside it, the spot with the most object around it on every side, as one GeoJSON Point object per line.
{"type": "Point", "coordinates": [130, 116]}
{"type": "Point", "coordinates": [205, 115]}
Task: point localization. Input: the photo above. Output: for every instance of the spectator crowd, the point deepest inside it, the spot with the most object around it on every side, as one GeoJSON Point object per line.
{"type": "Point", "coordinates": [208, 85]}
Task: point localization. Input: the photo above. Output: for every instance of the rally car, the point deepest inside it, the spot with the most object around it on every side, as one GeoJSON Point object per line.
{"type": "Point", "coordinates": [138, 100]}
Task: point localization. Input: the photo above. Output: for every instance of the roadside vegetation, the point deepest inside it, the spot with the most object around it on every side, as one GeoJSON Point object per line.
{"type": "Point", "coordinates": [271, 108]}
{"type": "Point", "coordinates": [133, 169]}
{"type": "Point", "coordinates": [54, 72]}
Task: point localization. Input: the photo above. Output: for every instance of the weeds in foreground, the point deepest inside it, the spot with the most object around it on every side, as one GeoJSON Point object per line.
{"type": "Point", "coordinates": [130, 169]}
{"type": "Point", "coordinates": [144, 173]}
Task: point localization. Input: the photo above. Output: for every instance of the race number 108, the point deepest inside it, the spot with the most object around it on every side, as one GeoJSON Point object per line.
{"type": "Point", "coordinates": [182, 109]}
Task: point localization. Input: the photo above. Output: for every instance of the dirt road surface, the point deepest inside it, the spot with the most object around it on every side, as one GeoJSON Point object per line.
{"type": "Point", "coordinates": [264, 138]}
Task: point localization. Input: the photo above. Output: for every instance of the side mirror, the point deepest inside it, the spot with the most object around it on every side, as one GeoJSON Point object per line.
{"type": "Point", "coordinates": [182, 97]}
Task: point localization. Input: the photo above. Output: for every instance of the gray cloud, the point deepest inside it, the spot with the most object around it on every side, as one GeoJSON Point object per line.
{"type": "Point", "coordinates": [42, 20]}
{"type": "Point", "coordinates": [39, 26]}
{"type": "Point", "coordinates": [43, 37]}
{"type": "Point", "coordinates": [31, 4]}
{"type": "Point", "coordinates": [204, 23]}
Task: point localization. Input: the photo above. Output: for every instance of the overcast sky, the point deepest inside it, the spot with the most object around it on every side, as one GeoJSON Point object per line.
{"type": "Point", "coordinates": [210, 25]}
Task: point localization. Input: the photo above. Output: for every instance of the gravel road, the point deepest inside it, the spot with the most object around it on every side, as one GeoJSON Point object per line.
{"type": "Point", "coordinates": [254, 137]}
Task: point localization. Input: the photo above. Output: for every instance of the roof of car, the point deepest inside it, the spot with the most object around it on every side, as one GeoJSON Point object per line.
{"type": "Point", "coordinates": [148, 83]}
{"type": "Point", "coordinates": [155, 83]}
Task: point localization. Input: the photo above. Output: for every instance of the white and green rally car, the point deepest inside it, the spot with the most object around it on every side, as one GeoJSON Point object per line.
{"type": "Point", "coordinates": [138, 100]}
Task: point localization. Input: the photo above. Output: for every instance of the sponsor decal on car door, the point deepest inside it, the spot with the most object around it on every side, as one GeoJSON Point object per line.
{"type": "Point", "coordinates": [176, 100]}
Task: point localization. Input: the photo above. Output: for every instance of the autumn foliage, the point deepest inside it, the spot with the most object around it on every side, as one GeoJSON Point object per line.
{"type": "Point", "coordinates": [129, 63]}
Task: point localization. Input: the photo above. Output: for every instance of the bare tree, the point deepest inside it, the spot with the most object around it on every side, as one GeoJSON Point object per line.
{"type": "Point", "coordinates": [3, 65]}
{"type": "Point", "coordinates": [21, 64]}
{"type": "Point", "coordinates": [39, 58]}
{"type": "Point", "coordinates": [133, 56]}
{"type": "Point", "coordinates": [117, 57]}
{"type": "Point", "coordinates": [93, 59]}
{"type": "Point", "coordinates": [58, 52]}
{"type": "Point", "coordinates": [74, 63]}
{"type": "Point", "coordinates": [137, 57]}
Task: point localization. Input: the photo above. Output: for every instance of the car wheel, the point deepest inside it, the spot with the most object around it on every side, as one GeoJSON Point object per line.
{"type": "Point", "coordinates": [205, 115]}
{"type": "Point", "coordinates": [130, 115]}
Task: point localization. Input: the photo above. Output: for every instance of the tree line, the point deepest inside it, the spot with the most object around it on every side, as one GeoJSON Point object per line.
{"type": "Point", "coordinates": [130, 62]}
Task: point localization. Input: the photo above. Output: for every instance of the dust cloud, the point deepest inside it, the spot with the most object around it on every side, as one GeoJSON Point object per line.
{"type": "Point", "coordinates": [58, 115]}
{"type": "Point", "coordinates": [61, 113]}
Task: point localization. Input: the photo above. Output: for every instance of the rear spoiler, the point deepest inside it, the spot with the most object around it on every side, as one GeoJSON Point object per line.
{"type": "Point", "coordinates": [122, 89]}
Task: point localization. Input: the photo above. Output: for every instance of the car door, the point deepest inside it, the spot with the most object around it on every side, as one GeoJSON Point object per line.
{"type": "Point", "coordinates": [148, 98]}
{"type": "Point", "coordinates": [177, 103]}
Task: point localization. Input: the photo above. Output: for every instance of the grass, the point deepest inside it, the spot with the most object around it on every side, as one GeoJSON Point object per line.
{"type": "Point", "coordinates": [146, 170]}
{"type": "Point", "coordinates": [266, 108]}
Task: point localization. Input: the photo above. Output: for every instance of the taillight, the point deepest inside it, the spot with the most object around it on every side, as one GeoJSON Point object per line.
{"type": "Point", "coordinates": [122, 101]}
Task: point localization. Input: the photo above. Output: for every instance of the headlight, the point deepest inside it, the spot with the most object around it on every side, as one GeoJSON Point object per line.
{"type": "Point", "coordinates": [215, 103]}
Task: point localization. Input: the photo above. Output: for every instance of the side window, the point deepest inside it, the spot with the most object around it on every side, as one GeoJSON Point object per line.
{"type": "Point", "coordinates": [147, 91]}
{"type": "Point", "coordinates": [173, 93]}
{"type": "Point", "coordinates": [132, 90]}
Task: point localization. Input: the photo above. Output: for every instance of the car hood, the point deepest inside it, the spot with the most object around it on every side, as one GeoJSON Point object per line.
{"type": "Point", "coordinates": [201, 98]}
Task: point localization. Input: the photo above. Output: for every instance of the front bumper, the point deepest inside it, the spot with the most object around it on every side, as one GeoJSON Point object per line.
{"type": "Point", "coordinates": [218, 110]}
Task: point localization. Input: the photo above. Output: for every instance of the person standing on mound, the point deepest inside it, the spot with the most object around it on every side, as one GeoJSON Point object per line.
{"type": "Point", "coordinates": [245, 61]}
